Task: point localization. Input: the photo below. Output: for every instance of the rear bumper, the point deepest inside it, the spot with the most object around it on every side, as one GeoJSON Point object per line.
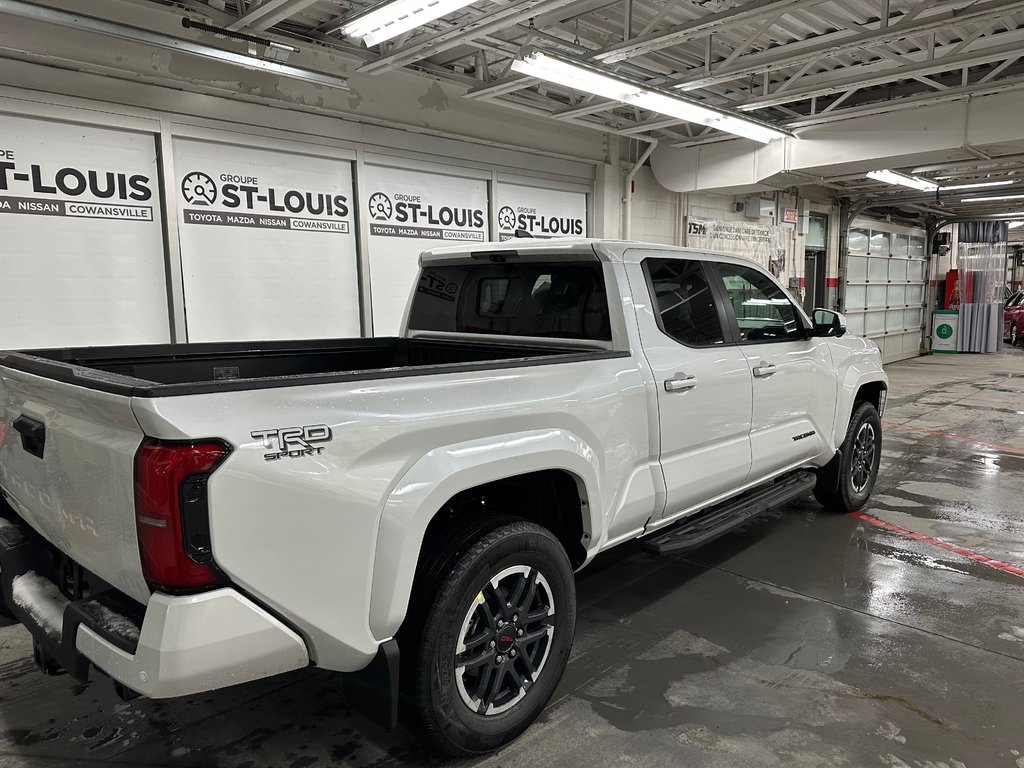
{"type": "Point", "coordinates": [197, 643]}
{"type": "Point", "coordinates": [174, 646]}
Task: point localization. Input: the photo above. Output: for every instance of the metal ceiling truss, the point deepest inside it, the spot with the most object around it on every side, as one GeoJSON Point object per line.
{"type": "Point", "coordinates": [792, 63]}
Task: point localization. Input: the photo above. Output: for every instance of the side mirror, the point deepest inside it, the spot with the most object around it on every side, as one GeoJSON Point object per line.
{"type": "Point", "coordinates": [828, 323]}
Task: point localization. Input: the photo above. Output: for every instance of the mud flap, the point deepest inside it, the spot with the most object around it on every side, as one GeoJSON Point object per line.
{"type": "Point", "coordinates": [373, 691]}
{"type": "Point", "coordinates": [828, 476]}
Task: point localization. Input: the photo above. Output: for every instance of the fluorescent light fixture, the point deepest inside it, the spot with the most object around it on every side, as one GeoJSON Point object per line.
{"type": "Point", "coordinates": [978, 185]}
{"type": "Point", "coordinates": [391, 19]}
{"type": "Point", "coordinates": [991, 199]}
{"type": "Point", "coordinates": [579, 76]}
{"type": "Point", "coordinates": [891, 177]}
{"type": "Point", "coordinates": [118, 31]}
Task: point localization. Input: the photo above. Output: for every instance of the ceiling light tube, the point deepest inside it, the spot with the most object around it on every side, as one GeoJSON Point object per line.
{"type": "Point", "coordinates": [991, 199]}
{"type": "Point", "coordinates": [891, 177]}
{"type": "Point", "coordinates": [977, 185]}
{"type": "Point", "coordinates": [119, 31]}
{"type": "Point", "coordinates": [391, 19]}
{"type": "Point", "coordinates": [580, 76]}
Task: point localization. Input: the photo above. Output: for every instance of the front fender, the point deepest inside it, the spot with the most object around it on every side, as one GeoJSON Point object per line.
{"type": "Point", "coordinates": [863, 366]}
{"type": "Point", "coordinates": [446, 471]}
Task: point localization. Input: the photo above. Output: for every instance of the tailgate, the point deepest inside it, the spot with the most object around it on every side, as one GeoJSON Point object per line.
{"type": "Point", "coordinates": [67, 467]}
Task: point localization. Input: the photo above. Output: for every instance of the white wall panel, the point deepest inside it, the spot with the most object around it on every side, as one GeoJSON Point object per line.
{"type": "Point", "coordinates": [81, 251]}
{"type": "Point", "coordinates": [268, 248]}
{"type": "Point", "coordinates": [541, 212]}
{"type": "Point", "coordinates": [408, 212]}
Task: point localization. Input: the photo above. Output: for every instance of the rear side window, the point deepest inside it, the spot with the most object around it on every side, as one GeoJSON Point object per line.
{"type": "Point", "coordinates": [764, 313]}
{"type": "Point", "coordinates": [684, 302]}
{"type": "Point", "coordinates": [558, 300]}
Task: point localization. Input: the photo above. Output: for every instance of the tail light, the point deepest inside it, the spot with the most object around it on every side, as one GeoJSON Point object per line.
{"type": "Point", "coordinates": [171, 511]}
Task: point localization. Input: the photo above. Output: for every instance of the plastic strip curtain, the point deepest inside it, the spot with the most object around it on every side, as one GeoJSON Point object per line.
{"type": "Point", "coordinates": [981, 260]}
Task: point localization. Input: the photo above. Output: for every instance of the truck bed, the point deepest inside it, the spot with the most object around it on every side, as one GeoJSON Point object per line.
{"type": "Point", "coordinates": [179, 369]}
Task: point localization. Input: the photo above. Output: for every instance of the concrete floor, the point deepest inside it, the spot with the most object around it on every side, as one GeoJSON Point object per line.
{"type": "Point", "coordinates": [808, 639]}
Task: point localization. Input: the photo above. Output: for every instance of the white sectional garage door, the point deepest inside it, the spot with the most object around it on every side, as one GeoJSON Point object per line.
{"type": "Point", "coordinates": [885, 287]}
{"type": "Point", "coordinates": [82, 246]}
{"type": "Point", "coordinates": [268, 247]}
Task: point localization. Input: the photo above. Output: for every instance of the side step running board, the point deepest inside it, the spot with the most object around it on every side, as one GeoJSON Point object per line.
{"type": "Point", "coordinates": [713, 522]}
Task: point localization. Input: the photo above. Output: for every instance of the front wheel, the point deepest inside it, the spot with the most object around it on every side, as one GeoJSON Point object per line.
{"type": "Point", "coordinates": [1014, 336]}
{"type": "Point", "coordinates": [495, 640]}
{"type": "Point", "coordinates": [861, 453]}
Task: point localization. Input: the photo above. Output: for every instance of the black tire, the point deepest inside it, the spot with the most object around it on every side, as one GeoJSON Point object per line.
{"type": "Point", "coordinates": [454, 612]}
{"type": "Point", "coordinates": [1014, 335]}
{"type": "Point", "coordinates": [858, 468]}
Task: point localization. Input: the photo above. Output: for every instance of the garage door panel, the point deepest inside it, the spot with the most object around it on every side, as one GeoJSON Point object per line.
{"type": "Point", "coordinates": [874, 322]}
{"type": "Point", "coordinates": [877, 295]}
{"type": "Point", "coordinates": [878, 269]}
{"type": "Point", "coordinates": [82, 258]}
{"type": "Point", "coordinates": [857, 271]}
{"type": "Point", "coordinates": [411, 211]}
{"type": "Point", "coordinates": [880, 243]}
{"type": "Point", "coordinates": [268, 248]}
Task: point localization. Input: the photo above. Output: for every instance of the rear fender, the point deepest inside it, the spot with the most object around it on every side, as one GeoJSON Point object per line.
{"type": "Point", "coordinates": [442, 473]}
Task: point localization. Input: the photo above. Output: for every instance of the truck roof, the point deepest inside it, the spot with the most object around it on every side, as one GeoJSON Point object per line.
{"type": "Point", "coordinates": [606, 250]}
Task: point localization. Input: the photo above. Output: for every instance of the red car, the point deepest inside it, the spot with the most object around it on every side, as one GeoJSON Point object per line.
{"type": "Point", "coordinates": [1013, 318]}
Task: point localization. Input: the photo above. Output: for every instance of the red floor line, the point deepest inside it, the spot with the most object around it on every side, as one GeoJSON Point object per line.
{"type": "Point", "coordinates": [999, 566]}
{"type": "Point", "coordinates": [935, 433]}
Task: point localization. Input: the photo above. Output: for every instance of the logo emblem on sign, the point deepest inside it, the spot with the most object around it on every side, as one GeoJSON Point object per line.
{"type": "Point", "coordinates": [944, 331]}
{"type": "Point", "coordinates": [198, 189]}
{"type": "Point", "coordinates": [380, 206]}
{"type": "Point", "coordinates": [506, 218]}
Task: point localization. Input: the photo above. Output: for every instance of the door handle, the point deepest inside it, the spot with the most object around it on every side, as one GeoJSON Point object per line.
{"type": "Point", "coordinates": [680, 383]}
{"type": "Point", "coordinates": [763, 370]}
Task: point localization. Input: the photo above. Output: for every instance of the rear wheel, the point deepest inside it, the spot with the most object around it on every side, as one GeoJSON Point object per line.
{"type": "Point", "coordinates": [857, 468]}
{"type": "Point", "coordinates": [494, 641]}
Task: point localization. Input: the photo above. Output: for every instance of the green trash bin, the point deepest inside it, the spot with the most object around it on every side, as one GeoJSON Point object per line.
{"type": "Point", "coordinates": [945, 324]}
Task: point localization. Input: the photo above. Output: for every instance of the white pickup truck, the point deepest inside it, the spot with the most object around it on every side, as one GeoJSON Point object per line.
{"type": "Point", "coordinates": [184, 518]}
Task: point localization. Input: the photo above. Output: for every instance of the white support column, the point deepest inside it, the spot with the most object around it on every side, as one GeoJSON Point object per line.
{"type": "Point", "coordinates": [608, 194]}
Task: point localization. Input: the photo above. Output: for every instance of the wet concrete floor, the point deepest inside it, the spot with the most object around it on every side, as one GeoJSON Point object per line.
{"type": "Point", "coordinates": [807, 639]}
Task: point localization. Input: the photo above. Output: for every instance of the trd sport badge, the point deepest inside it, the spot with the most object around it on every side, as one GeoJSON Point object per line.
{"type": "Point", "coordinates": [294, 442]}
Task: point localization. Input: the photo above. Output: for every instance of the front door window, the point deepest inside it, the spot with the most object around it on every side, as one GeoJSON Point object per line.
{"type": "Point", "coordinates": [764, 312]}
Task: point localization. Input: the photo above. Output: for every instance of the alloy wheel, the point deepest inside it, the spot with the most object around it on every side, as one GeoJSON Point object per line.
{"type": "Point", "coordinates": [505, 639]}
{"type": "Point", "coordinates": [863, 459]}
